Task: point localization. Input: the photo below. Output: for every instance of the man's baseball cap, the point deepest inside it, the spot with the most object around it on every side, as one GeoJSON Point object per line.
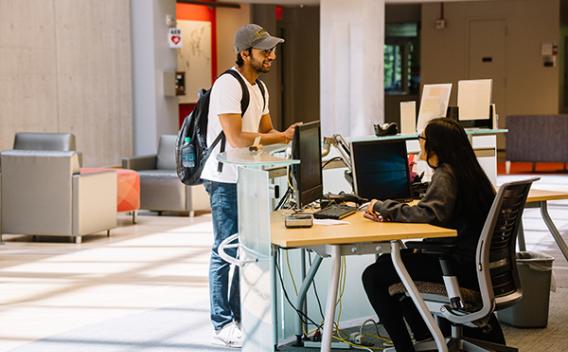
{"type": "Point", "coordinates": [254, 36]}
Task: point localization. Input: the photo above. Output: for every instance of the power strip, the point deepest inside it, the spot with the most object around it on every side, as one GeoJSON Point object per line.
{"type": "Point", "coordinates": [359, 339]}
{"type": "Point", "coordinates": [317, 344]}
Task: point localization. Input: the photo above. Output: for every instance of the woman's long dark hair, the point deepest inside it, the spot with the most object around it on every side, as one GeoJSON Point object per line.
{"type": "Point", "coordinates": [448, 140]}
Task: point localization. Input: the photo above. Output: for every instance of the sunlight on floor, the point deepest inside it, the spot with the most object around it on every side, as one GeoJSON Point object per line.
{"type": "Point", "coordinates": [49, 288]}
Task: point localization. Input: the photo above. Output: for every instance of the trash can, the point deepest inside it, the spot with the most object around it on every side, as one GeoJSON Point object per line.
{"type": "Point", "coordinates": [535, 273]}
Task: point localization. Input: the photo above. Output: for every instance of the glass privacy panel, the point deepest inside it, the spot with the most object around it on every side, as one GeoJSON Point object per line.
{"type": "Point", "coordinates": [256, 276]}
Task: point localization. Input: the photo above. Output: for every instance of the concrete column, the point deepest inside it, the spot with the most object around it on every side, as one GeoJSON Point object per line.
{"type": "Point", "coordinates": [351, 64]}
{"type": "Point", "coordinates": [154, 113]}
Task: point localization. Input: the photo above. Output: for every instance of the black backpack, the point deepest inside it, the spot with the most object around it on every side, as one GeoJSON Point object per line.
{"type": "Point", "coordinates": [195, 127]}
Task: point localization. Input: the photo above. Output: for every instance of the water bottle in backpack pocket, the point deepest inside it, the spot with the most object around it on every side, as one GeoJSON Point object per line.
{"type": "Point", "coordinates": [188, 153]}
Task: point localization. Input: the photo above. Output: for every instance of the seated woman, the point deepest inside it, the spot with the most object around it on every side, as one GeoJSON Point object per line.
{"type": "Point", "coordinates": [459, 197]}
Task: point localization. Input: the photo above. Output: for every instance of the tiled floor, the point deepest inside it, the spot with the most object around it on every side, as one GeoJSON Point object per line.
{"type": "Point", "coordinates": [145, 287]}
{"type": "Point", "coordinates": [48, 288]}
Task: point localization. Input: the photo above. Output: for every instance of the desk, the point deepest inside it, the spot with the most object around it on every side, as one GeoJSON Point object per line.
{"type": "Point", "coordinates": [361, 236]}
{"type": "Point", "coordinates": [538, 199]}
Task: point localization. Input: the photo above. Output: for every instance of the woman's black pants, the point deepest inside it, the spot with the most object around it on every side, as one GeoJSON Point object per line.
{"type": "Point", "coordinates": [394, 310]}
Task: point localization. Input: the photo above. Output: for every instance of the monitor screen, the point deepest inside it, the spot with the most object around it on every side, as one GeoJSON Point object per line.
{"type": "Point", "coordinates": [380, 169]}
{"type": "Point", "coordinates": [307, 176]}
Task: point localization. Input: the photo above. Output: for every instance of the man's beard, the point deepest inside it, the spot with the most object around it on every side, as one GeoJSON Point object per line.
{"type": "Point", "coordinates": [259, 67]}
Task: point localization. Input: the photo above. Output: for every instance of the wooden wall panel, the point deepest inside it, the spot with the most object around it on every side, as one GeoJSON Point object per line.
{"type": "Point", "coordinates": [65, 65]}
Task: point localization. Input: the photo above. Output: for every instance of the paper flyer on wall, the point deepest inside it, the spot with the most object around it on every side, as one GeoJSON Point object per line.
{"type": "Point", "coordinates": [433, 104]}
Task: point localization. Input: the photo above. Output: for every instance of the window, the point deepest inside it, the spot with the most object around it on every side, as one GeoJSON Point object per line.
{"type": "Point", "coordinates": [402, 60]}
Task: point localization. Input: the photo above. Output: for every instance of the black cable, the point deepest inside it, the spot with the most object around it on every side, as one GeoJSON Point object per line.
{"type": "Point", "coordinates": [330, 160]}
{"type": "Point", "coordinates": [303, 316]}
{"type": "Point", "coordinates": [284, 198]}
{"type": "Point", "coordinates": [315, 289]}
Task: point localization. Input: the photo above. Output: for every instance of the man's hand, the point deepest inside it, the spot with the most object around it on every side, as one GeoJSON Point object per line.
{"type": "Point", "coordinates": [289, 133]}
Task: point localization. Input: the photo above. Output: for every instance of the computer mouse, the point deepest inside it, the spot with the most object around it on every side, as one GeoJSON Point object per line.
{"type": "Point", "coordinates": [386, 129]}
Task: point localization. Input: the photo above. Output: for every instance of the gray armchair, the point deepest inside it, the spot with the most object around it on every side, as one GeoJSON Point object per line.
{"type": "Point", "coordinates": [44, 194]}
{"type": "Point", "coordinates": [160, 188]}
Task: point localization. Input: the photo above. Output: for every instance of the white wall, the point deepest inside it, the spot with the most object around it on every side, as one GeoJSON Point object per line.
{"type": "Point", "coordinates": [351, 66]}
{"type": "Point", "coordinates": [154, 114]}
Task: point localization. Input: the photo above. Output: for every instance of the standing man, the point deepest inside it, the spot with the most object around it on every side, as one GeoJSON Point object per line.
{"type": "Point", "coordinates": [255, 50]}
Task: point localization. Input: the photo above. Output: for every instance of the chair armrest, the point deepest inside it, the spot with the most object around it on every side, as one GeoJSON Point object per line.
{"type": "Point", "coordinates": [435, 248]}
{"type": "Point", "coordinates": [94, 202]}
{"type": "Point", "coordinates": [142, 162]}
{"type": "Point", "coordinates": [197, 198]}
{"type": "Point", "coordinates": [442, 250]}
{"type": "Point", "coordinates": [80, 157]}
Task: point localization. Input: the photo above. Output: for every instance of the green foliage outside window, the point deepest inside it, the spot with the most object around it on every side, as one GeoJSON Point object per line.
{"type": "Point", "coordinates": [401, 60]}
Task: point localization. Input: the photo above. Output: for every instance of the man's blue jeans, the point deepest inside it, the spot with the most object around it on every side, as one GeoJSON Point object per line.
{"type": "Point", "coordinates": [225, 305]}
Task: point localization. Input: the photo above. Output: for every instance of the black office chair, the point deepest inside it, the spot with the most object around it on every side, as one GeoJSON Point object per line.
{"type": "Point", "coordinates": [496, 273]}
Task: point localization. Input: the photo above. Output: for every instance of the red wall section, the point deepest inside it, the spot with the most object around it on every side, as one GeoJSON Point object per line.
{"type": "Point", "coordinates": [199, 13]}
{"type": "Point", "coordinates": [194, 12]}
{"type": "Point", "coordinates": [184, 110]}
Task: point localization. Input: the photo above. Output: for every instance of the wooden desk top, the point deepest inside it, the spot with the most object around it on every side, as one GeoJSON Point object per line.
{"type": "Point", "coordinates": [540, 195]}
{"type": "Point", "coordinates": [359, 230]}
{"type": "Point", "coordinates": [364, 230]}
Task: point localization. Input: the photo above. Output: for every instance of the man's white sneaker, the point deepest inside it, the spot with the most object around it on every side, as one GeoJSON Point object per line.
{"type": "Point", "coordinates": [229, 336]}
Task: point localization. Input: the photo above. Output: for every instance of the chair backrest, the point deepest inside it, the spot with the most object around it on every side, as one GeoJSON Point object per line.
{"type": "Point", "coordinates": [495, 257]}
{"type": "Point", "coordinates": [166, 152]}
{"type": "Point", "coordinates": [45, 141]}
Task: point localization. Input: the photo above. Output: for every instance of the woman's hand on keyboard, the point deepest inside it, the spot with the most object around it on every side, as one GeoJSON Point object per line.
{"type": "Point", "coordinates": [371, 214]}
{"type": "Point", "coordinates": [373, 217]}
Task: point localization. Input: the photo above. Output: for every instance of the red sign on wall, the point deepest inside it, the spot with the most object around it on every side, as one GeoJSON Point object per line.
{"type": "Point", "coordinates": [174, 38]}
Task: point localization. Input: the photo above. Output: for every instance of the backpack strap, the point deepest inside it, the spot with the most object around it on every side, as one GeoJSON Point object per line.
{"type": "Point", "coordinates": [262, 91]}
{"type": "Point", "coordinates": [246, 97]}
{"type": "Point", "coordinates": [245, 100]}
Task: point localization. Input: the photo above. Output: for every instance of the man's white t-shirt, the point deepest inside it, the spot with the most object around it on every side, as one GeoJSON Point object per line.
{"type": "Point", "coordinates": [225, 98]}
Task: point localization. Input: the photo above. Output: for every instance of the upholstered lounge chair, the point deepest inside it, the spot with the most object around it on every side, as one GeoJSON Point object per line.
{"type": "Point", "coordinates": [160, 188]}
{"type": "Point", "coordinates": [44, 194]}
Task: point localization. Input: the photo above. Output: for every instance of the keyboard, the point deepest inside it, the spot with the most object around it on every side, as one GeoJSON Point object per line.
{"type": "Point", "coordinates": [335, 211]}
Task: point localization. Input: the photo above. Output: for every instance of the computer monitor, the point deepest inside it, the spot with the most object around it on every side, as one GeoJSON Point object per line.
{"type": "Point", "coordinates": [474, 99]}
{"type": "Point", "coordinates": [307, 176]}
{"type": "Point", "coordinates": [380, 169]}
{"type": "Point", "coordinates": [474, 107]}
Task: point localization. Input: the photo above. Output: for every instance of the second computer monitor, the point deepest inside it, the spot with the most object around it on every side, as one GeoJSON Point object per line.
{"type": "Point", "coordinates": [380, 169]}
{"type": "Point", "coordinates": [307, 176]}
